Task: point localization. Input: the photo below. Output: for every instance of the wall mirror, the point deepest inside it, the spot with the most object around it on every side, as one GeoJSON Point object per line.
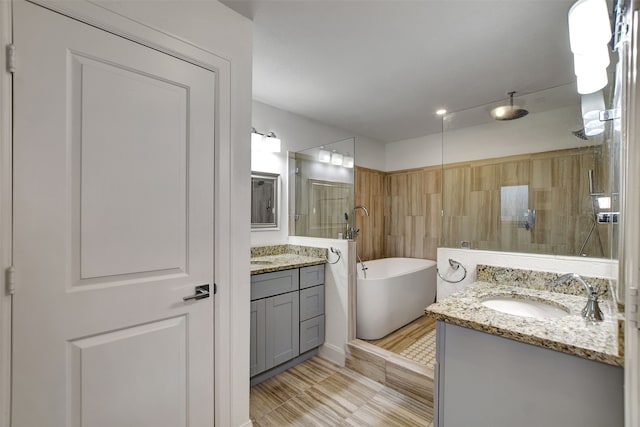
{"type": "Point", "coordinates": [535, 184]}
{"type": "Point", "coordinates": [321, 189]}
{"type": "Point", "coordinates": [264, 201]}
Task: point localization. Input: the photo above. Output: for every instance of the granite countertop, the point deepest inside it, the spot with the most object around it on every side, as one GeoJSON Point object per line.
{"type": "Point", "coordinates": [265, 259]}
{"type": "Point", "coordinates": [269, 263]}
{"type": "Point", "coordinates": [569, 334]}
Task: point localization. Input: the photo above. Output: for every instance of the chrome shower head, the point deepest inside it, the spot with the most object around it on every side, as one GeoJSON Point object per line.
{"type": "Point", "coordinates": [580, 134]}
{"type": "Point", "coordinates": [508, 112]}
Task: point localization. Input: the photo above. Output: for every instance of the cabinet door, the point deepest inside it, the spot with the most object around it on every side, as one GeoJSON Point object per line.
{"type": "Point", "coordinates": [257, 358]}
{"type": "Point", "coordinates": [282, 328]}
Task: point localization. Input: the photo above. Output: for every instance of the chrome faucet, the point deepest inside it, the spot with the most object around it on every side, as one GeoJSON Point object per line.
{"type": "Point", "coordinates": [364, 268]}
{"type": "Point", "coordinates": [352, 232]}
{"type": "Point", "coordinates": [591, 311]}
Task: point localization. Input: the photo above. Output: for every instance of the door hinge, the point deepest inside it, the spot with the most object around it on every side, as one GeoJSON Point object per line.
{"type": "Point", "coordinates": [10, 280]}
{"type": "Point", "coordinates": [11, 58]}
{"type": "Point", "coordinates": [215, 289]}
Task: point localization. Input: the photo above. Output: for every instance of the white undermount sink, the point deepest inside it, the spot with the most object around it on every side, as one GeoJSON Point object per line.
{"type": "Point", "coordinates": [524, 307]}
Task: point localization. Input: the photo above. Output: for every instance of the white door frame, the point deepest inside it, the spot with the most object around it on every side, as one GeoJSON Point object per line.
{"type": "Point", "coordinates": [231, 255]}
{"type": "Point", "coordinates": [5, 212]}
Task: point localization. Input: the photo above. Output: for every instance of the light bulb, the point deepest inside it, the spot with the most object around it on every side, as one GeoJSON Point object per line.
{"type": "Point", "coordinates": [324, 156]}
{"type": "Point", "coordinates": [589, 25]}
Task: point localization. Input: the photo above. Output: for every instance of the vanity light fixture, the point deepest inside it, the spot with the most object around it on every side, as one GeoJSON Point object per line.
{"type": "Point", "coordinates": [592, 104]}
{"type": "Point", "coordinates": [336, 158]}
{"type": "Point", "coordinates": [268, 143]}
{"type": "Point", "coordinates": [324, 156]}
{"type": "Point", "coordinates": [256, 140]}
{"type": "Point", "coordinates": [589, 35]}
{"type": "Point", "coordinates": [347, 161]}
{"type": "Point", "coordinates": [272, 143]}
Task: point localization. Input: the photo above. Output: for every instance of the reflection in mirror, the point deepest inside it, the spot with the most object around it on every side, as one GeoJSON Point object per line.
{"type": "Point", "coordinates": [530, 184]}
{"type": "Point", "coordinates": [321, 189]}
{"type": "Point", "coordinates": [264, 200]}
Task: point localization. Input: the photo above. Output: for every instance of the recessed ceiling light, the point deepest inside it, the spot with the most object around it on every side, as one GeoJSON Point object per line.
{"type": "Point", "coordinates": [441, 112]}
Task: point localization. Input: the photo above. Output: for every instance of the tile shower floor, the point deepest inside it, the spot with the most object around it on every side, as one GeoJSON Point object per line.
{"type": "Point", "coordinates": [415, 341]}
{"type": "Point", "coordinates": [319, 393]}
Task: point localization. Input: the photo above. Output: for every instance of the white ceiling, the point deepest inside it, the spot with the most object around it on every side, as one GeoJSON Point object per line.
{"type": "Point", "coordinates": [380, 68]}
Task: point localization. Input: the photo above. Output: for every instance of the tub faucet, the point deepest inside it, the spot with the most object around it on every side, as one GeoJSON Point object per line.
{"type": "Point", "coordinates": [352, 233]}
{"type": "Point", "coordinates": [591, 311]}
{"type": "Point", "coordinates": [364, 268]}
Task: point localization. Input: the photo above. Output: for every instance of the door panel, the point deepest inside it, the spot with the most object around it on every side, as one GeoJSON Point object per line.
{"type": "Point", "coordinates": [113, 226]}
{"type": "Point", "coordinates": [154, 352]}
{"type": "Point", "coordinates": [146, 143]}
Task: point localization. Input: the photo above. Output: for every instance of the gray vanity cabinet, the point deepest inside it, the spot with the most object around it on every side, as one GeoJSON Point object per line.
{"type": "Point", "coordinates": [282, 334]}
{"type": "Point", "coordinates": [484, 380]}
{"type": "Point", "coordinates": [258, 335]}
{"type": "Point", "coordinates": [287, 316]}
{"type": "Point", "coordinates": [311, 307]}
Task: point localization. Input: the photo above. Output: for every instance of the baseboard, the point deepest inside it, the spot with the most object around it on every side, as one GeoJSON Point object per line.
{"type": "Point", "coordinates": [333, 354]}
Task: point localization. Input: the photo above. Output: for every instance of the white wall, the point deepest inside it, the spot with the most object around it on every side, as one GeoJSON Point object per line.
{"type": "Point", "coordinates": [470, 258]}
{"type": "Point", "coordinates": [546, 131]}
{"type": "Point", "coordinates": [299, 133]}
{"type": "Point", "coordinates": [336, 299]}
{"type": "Point", "coordinates": [414, 153]}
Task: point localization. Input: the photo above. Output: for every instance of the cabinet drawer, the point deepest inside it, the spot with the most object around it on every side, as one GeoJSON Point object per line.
{"type": "Point", "coordinates": [311, 333]}
{"type": "Point", "coordinates": [311, 276]}
{"type": "Point", "coordinates": [278, 282]}
{"type": "Point", "coordinates": [311, 302]}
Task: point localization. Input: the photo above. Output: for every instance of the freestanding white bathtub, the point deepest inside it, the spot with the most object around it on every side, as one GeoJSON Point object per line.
{"type": "Point", "coordinates": [395, 292]}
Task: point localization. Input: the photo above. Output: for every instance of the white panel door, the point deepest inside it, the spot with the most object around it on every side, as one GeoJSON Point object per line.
{"type": "Point", "coordinates": [113, 209]}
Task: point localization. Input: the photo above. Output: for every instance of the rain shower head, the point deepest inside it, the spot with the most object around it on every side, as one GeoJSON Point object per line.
{"type": "Point", "coordinates": [508, 112]}
{"type": "Point", "coordinates": [580, 134]}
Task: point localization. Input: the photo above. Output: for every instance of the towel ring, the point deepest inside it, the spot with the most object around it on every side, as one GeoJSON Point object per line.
{"type": "Point", "coordinates": [337, 252]}
{"type": "Point", "coordinates": [455, 265]}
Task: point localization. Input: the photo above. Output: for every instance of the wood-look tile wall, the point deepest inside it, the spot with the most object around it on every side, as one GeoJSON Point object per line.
{"type": "Point", "coordinates": [370, 192]}
{"type": "Point", "coordinates": [412, 213]}
{"type": "Point", "coordinates": [558, 189]}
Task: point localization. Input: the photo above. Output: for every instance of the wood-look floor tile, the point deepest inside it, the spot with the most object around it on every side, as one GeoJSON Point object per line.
{"type": "Point", "coordinates": [344, 393]}
{"type": "Point", "coordinates": [389, 408]}
{"type": "Point", "coordinates": [310, 372]}
{"type": "Point", "coordinates": [366, 363]}
{"type": "Point", "coordinates": [301, 411]}
{"type": "Point", "coordinates": [339, 397]}
{"type": "Point", "coordinates": [409, 383]}
{"type": "Point", "coordinates": [270, 394]}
